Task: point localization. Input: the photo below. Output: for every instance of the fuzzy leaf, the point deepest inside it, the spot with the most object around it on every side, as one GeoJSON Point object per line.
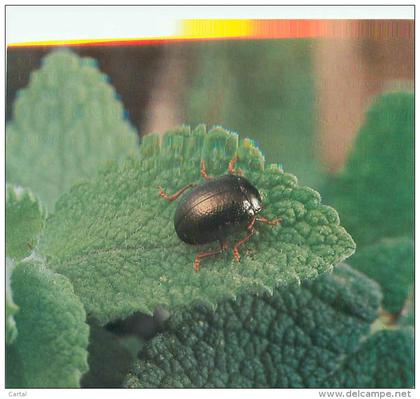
{"type": "Point", "coordinates": [66, 123]}
{"type": "Point", "coordinates": [296, 338]}
{"type": "Point", "coordinates": [25, 219]}
{"type": "Point", "coordinates": [50, 350]}
{"type": "Point", "coordinates": [375, 192]}
{"type": "Point", "coordinates": [11, 307]}
{"type": "Point", "coordinates": [385, 360]}
{"type": "Point", "coordinates": [391, 263]}
{"type": "Point", "coordinates": [114, 236]}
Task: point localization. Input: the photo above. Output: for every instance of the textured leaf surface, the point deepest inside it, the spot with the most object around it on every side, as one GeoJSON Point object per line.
{"type": "Point", "coordinates": [385, 360]}
{"type": "Point", "coordinates": [114, 237]}
{"type": "Point", "coordinates": [66, 123]}
{"type": "Point", "coordinates": [50, 350]}
{"type": "Point", "coordinates": [391, 263]}
{"type": "Point", "coordinates": [25, 219]}
{"type": "Point", "coordinates": [11, 307]}
{"type": "Point", "coordinates": [296, 338]}
{"type": "Point", "coordinates": [375, 193]}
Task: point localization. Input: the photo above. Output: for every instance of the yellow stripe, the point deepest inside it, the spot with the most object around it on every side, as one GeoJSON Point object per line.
{"type": "Point", "coordinates": [190, 29]}
{"type": "Point", "coordinates": [214, 28]}
{"type": "Point", "coordinates": [90, 41]}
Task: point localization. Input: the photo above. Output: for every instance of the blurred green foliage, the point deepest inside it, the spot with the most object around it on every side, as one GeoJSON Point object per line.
{"type": "Point", "coordinates": [374, 194]}
{"type": "Point", "coordinates": [408, 313]}
{"type": "Point", "coordinates": [391, 263]}
{"type": "Point", "coordinates": [66, 123]}
{"type": "Point", "coordinates": [265, 90]}
{"type": "Point", "coordinates": [109, 361]}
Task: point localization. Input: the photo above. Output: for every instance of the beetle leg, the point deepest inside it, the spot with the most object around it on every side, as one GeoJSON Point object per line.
{"type": "Point", "coordinates": [198, 257]}
{"type": "Point", "coordinates": [251, 230]}
{"type": "Point", "coordinates": [273, 222]}
{"type": "Point", "coordinates": [173, 197]}
{"type": "Point", "coordinates": [239, 243]}
{"type": "Point", "coordinates": [250, 227]}
{"type": "Point", "coordinates": [223, 248]}
{"type": "Point", "coordinates": [204, 171]}
{"type": "Point", "coordinates": [231, 167]}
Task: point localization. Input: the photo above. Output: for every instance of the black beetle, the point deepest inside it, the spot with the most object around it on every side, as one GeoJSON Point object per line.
{"type": "Point", "coordinates": [214, 210]}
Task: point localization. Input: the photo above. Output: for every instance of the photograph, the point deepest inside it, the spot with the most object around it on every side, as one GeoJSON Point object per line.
{"type": "Point", "coordinates": [209, 197]}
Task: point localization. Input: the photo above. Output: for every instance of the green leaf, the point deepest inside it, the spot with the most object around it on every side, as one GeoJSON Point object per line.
{"type": "Point", "coordinates": [66, 123]}
{"type": "Point", "coordinates": [391, 263]}
{"type": "Point", "coordinates": [296, 338]}
{"type": "Point", "coordinates": [25, 219]}
{"type": "Point", "coordinates": [11, 307]}
{"type": "Point", "coordinates": [114, 236]}
{"type": "Point", "coordinates": [13, 368]}
{"type": "Point", "coordinates": [50, 350]}
{"type": "Point", "coordinates": [375, 192]}
{"type": "Point", "coordinates": [385, 360]}
{"type": "Point", "coordinates": [109, 361]}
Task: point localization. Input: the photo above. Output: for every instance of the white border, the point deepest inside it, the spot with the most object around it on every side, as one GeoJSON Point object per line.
{"type": "Point", "coordinates": [405, 12]}
{"type": "Point", "coordinates": [211, 393]}
{"type": "Point", "coordinates": [44, 23]}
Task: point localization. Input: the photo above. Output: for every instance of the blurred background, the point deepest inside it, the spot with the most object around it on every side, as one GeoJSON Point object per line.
{"type": "Point", "coordinates": [301, 100]}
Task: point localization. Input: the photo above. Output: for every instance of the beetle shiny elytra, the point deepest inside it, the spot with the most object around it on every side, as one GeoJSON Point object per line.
{"type": "Point", "coordinates": [216, 209]}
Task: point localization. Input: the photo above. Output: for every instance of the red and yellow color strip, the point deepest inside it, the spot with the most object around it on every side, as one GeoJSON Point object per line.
{"type": "Point", "coordinates": [296, 28]}
{"type": "Point", "coordinates": [229, 29]}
